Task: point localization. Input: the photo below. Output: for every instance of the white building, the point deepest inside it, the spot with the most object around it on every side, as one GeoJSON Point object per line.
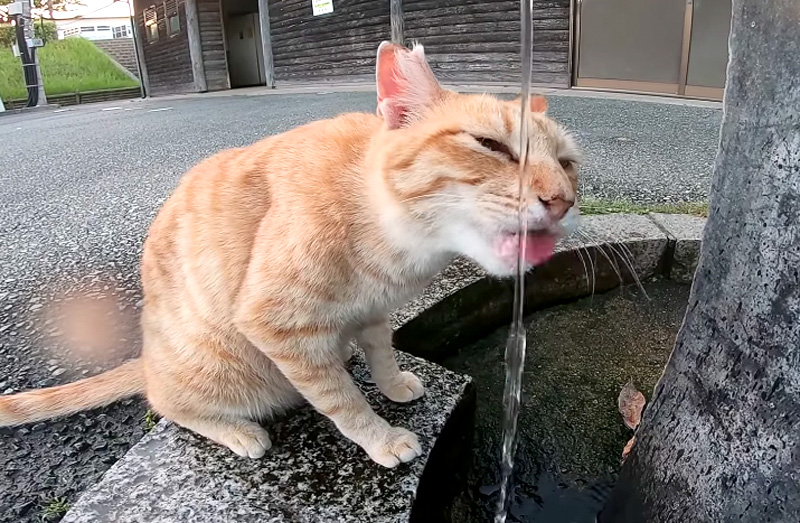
{"type": "Point", "coordinates": [105, 23]}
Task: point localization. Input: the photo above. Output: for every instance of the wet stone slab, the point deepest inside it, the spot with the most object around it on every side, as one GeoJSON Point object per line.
{"type": "Point", "coordinates": [312, 473]}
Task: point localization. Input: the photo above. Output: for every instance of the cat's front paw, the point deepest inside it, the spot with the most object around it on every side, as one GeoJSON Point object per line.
{"type": "Point", "coordinates": [402, 388]}
{"type": "Point", "coordinates": [397, 445]}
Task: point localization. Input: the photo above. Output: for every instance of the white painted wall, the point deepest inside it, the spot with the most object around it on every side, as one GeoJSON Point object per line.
{"type": "Point", "coordinates": [95, 28]}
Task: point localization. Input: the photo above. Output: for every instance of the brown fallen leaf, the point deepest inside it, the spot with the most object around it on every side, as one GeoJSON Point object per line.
{"type": "Point", "coordinates": [628, 448]}
{"type": "Point", "coordinates": [631, 403]}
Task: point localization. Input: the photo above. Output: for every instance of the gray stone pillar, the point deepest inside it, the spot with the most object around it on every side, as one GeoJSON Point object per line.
{"type": "Point", "coordinates": [720, 440]}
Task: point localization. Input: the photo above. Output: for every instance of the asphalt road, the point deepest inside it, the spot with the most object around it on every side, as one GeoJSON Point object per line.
{"type": "Point", "coordinates": [79, 188]}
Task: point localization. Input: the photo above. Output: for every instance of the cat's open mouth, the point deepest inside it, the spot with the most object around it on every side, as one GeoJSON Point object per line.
{"type": "Point", "coordinates": [539, 247]}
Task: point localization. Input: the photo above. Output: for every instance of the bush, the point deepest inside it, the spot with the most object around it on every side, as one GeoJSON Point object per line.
{"type": "Point", "coordinates": [8, 36]}
{"type": "Point", "coordinates": [46, 31]}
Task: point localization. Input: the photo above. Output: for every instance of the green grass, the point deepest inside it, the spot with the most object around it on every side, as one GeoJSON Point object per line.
{"type": "Point", "coordinates": [150, 420]}
{"type": "Point", "coordinates": [68, 66]}
{"type": "Point", "coordinates": [599, 206]}
{"type": "Point", "coordinates": [54, 509]}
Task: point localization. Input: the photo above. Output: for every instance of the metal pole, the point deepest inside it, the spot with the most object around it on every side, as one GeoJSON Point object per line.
{"type": "Point", "coordinates": [27, 22]}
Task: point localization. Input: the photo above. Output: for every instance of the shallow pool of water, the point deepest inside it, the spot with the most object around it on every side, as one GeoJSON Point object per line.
{"type": "Point", "coordinates": [571, 434]}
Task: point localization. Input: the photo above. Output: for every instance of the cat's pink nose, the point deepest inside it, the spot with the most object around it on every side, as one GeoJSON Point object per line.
{"type": "Point", "coordinates": [557, 206]}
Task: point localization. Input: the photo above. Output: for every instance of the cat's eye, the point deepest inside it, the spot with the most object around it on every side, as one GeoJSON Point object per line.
{"type": "Point", "coordinates": [565, 164]}
{"type": "Point", "coordinates": [494, 145]}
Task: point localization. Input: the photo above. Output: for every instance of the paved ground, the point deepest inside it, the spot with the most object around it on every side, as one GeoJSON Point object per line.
{"type": "Point", "coordinates": [80, 187]}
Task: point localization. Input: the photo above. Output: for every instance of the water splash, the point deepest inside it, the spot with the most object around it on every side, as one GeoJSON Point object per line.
{"type": "Point", "coordinates": [516, 343]}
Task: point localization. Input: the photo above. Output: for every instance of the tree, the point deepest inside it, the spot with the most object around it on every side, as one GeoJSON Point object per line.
{"type": "Point", "coordinates": [720, 440]}
{"type": "Point", "coordinates": [40, 7]}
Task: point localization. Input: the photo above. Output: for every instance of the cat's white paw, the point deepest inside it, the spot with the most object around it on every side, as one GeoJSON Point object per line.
{"type": "Point", "coordinates": [404, 387]}
{"type": "Point", "coordinates": [247, 440]}
{"type": "Point", "coordinates": [398, 445]}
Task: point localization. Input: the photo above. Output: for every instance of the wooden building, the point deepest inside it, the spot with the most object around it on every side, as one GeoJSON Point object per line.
{"type": "Point", "coordinates": [205, 45]}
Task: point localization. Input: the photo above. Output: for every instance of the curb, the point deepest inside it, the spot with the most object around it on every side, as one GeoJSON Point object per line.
{"type": "Point", "coordinates": [494, 88]}
{"type": "Point", "coordinates": [37, 109]}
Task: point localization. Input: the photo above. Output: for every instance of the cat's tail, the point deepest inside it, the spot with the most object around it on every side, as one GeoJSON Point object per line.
{"type": "Point", "coordinates": [97, 391]}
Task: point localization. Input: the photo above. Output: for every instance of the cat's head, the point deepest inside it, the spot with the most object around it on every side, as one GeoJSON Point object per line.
{"type": "Point", "coordinates": [451, 162]}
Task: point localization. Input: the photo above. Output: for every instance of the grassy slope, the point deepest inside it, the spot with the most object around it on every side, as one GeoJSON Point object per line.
{"type": "Point", "coordinates": [68, 66]}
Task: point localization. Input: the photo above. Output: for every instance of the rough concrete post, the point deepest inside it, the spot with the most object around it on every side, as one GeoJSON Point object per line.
{"type": "Point", "coordinates": [719, 442]}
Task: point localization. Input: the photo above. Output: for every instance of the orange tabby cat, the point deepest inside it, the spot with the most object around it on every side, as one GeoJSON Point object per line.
{"type": "Point", "coordinates": [267, 260]}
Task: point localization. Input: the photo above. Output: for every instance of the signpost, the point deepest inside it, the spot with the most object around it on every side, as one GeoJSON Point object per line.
{"type": "Point", "coordinates": [26, 47]}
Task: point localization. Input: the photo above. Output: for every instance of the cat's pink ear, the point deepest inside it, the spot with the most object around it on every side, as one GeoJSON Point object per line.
{"type": "Point", "coordinates": [405, 82]}
{"type": "Point", "coordinates": [538, 104]}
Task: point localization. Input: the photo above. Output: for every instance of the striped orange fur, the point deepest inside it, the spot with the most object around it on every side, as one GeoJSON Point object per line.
{"type": "Point", "coordinates": [268, 260]}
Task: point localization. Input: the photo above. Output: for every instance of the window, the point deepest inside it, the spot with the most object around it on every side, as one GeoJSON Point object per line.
{"type": "Point", "coordinates": [151, 23]}
{"type": "Point", "coordinates": [104, 28]}
{"type": "Point", "coordinates": [121, 31]}
{"type": "Point", "coordinates": [171, 14]}
{"type": "Point", "coordinates": [87, 29]}
{"type": "Point", "coordinates": [72, 31]}
{"type": "Point", "coordinates": [174, 26]}
{"type": "Point", "coordinates": [152, 32]}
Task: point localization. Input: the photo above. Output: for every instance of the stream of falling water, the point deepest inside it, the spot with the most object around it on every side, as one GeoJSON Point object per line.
{"type": "Point", "coordinates": [515, 345]}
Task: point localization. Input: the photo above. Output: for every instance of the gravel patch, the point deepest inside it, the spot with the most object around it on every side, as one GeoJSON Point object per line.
{"type": "Point", "coordinates": [642, 151]}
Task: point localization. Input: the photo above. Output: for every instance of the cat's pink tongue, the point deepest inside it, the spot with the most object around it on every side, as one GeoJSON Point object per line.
{"type": "Point", "coordinates": [538, 248]}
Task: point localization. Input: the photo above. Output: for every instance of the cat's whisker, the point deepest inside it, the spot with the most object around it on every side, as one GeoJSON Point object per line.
{"type": "Point", "coordinates": [600, 248]}
{"type": "Point", "coordinates": [594, 270]}
{"type": "Point", "coordinates": [585, 269]}
{"type": "Point", "coordinates": [583, 238]}
{"type": "Point", "coordinates": [623, 253]}
{"type": "Point", "coordinates": [627, 258]}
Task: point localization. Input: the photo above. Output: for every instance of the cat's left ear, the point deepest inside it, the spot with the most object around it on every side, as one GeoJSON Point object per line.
{"type": "Point", "coordinates": [405, 82]}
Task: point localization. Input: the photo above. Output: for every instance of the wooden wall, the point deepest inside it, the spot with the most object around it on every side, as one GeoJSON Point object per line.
{"type": "Point", "coordinates": [479, 40]}
{"type": "Point", "coordinates": [466, 41]}
{"type": "Point", "coordinates": [336, 46]}
{"type": "Point", "coordinates": [169, 66]}
{"type": "Point", "coordinates": [551, 45]}
{"type": "Point", "coordinates": [212, 42]}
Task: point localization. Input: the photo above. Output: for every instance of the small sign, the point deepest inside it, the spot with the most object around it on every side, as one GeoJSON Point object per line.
{"type": "Point", "coordinates": [321, 7]}
{"type": "Point", "coordinates": [16, 8]}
